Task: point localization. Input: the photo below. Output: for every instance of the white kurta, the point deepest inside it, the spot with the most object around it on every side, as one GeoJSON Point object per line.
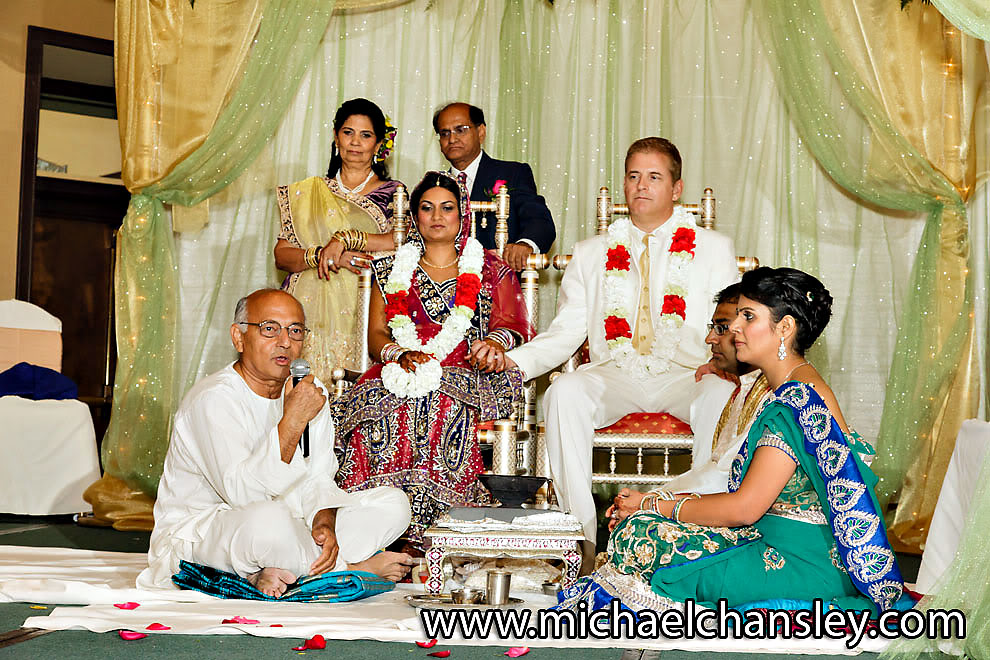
{"type": "Point", "coordinates": [710, 461]}
{"type": "Point", "coordinates": [226, 498]}
{"type": "Point", "coordinates": [599, 393]}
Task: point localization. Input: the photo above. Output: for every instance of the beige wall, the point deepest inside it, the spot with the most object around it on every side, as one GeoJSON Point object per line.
{"type": "Point", "coordinates": [89, 17]}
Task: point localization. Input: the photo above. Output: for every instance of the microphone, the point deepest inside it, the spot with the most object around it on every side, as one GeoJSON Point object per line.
{"type": "Point", "coordinates": [299, 369]}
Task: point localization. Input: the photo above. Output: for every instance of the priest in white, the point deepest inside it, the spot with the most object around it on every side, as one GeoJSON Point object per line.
{"type": "Point", "coordinates": [238, 495]}
{"type": "Point", "coordinates": [646, 335]}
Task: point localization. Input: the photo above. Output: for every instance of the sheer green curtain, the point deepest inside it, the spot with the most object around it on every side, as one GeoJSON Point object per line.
{"type": "Point", "coordinates": [971, 16]}
{"type": "Point", "coordinates": [568, 87]}
{"type": "Point", "coordinates": [832, 109]}
{"type": "Point", "coordinates": [145, 390]}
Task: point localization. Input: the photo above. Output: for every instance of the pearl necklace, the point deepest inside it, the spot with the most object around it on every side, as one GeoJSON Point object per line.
{"type": "Point", "coordinates": [355, 189]}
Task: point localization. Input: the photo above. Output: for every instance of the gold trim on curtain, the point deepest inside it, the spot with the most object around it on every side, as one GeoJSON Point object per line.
{"type": "Point", "coordinates": [927, 74]}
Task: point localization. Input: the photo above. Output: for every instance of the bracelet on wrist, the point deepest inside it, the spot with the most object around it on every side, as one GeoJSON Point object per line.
{"type": "Point", "coordinates": [676, 512]}
{"type": "Point", "coordinates": [502, 337]}
{"type": "Point", "coordinates": [352, 239]}
{"type": "Point", "coordinates": [312, 255]}
{"type": "Point", "coordinates": [391, 352]}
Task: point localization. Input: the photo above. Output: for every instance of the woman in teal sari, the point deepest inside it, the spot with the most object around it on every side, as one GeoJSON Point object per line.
{"type": "Point", "coordinates": [800, 521]}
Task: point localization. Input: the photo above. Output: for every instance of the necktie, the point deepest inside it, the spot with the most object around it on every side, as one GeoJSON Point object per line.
{"type": "Point", "coordinates": [462, 180]}
{"type": "Point", "coordinates": [643, 336]}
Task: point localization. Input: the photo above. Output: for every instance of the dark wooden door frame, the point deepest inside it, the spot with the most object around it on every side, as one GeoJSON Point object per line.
{"type": "Point", "coordinates": [38, 38]}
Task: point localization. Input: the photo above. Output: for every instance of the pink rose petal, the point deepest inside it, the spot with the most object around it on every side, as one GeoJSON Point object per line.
{"type": "Point", "coordinates": [240, 619]}
{"type": "Point", "coordinates": [427, 645]}
{"type": "Point", "coordinates": [517, 651]}
{"type": "Point", "coordinates": [130, 635]}
{"type": "Point", "coordinates": [158, 626]}
{"type": "Point", "coordinates": [439, 654]}
{"type": "Point", "coordinates": [315, 642]}
{"type": "Point", "coordinates": [127, 606]}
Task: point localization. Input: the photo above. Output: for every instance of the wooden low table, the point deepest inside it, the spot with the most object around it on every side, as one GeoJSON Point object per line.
{"type": "Point", "coordinates": [444, 542]}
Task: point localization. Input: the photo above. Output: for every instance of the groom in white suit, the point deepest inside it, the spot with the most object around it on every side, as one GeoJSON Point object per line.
{"type": "Point", "coordinates": [646, 335]}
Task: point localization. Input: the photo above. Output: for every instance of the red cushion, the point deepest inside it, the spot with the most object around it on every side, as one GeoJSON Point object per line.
{"type": "Point", "coordinates": [649, 423]}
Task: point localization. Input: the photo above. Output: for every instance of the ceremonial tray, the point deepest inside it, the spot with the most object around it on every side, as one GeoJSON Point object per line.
{"type": "Point", "coordinates": [443, 602]}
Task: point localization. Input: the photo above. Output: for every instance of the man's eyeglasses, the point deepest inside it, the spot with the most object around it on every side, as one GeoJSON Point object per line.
{"type": "Point", "coordinates": [445, 133]}
{"type": "Point", "coordinates": [719, 328]}
{"type": "Point", "coordinates": [271, 329]}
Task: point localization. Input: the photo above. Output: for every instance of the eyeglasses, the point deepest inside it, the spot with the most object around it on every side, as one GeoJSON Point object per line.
{"type": "Point", "coordinates": [271, 329]}
{"type": "Point", "coordinates": [719, 328]}
{"type": "Point", "coordinates": [445, 133]}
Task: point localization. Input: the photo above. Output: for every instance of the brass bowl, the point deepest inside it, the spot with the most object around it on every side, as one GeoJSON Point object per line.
{"type": "Point", "coordinates": [467, 596]}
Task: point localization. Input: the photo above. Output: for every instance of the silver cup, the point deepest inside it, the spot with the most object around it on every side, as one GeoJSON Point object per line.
{"type": "Point", "coordinates": [498, 587]}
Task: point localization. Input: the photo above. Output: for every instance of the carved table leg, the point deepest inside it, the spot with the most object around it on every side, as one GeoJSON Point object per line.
{"type": "Point", "coordinates": [572, 566]}
{"type": "Point", "coordinates": [434, 563]}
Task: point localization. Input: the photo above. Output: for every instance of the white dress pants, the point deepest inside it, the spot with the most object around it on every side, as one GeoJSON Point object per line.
{"type": "Point", "coordinates": [593, 397]}
{"type": "Point", "coordinates": [266, 535]}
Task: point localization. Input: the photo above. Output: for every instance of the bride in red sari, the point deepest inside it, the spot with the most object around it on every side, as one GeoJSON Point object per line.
{"type": "Point", "coordinates": [443, 315]}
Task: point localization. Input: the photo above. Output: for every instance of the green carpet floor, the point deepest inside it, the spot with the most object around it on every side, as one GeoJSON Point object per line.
{"type": "Point", "coordinates": [61, 532]}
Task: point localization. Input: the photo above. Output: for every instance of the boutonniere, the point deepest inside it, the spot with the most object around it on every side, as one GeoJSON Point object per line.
{"type": "Point", "coordinates": [499, 184]}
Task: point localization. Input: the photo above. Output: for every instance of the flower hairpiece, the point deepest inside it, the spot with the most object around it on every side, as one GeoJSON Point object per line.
{"type": "Point", "coordinates": [807, 294]}
{"type": "Point", "coordinates": [387, 143]}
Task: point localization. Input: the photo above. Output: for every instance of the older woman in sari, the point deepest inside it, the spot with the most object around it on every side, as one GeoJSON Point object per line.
{"type": "Point", "coordinates": [800, 521]}
{"type": "Point", "coordinates": [328, 224]}
{"type": "Point", "coordinates": [443, 315]}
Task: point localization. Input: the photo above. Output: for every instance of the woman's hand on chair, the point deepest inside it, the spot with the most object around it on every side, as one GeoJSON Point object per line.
{"type": "Point", "coordinates": [410, 359]}
{"type": "Point", "coordinates": [488, 356]}
{"type": "Point", "coordinates": [331, 259]}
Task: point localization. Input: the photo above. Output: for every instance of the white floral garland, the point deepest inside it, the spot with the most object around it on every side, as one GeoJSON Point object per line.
{"type": "Point", "coordinates": [426, 378]}
{"type": "Point", "coordinates": [666, 327]}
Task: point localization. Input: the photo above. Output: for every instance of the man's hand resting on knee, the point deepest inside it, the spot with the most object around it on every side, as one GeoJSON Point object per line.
{"type": "Point", "coordinates": [302, 403]}
{"type": "Point", "coordinates": [325, 536]}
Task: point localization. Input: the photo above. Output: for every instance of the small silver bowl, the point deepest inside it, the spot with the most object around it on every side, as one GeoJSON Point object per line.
{"type": "Point", "coordinates": [551, 588]}
{"type": "Point", "coordinates": [467, 596]}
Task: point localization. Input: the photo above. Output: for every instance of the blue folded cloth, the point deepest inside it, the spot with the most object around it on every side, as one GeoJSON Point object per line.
{"type": "Point", "coordinates": [33, 382]}
{"type": "Point", "coordinates": [339, 587]}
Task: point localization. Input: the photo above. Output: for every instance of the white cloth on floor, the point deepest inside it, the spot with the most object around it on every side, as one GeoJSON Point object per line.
{"type": "Point", "coordinates": [954, 500]}
{"type": "Point", "coordinates": [593, 397]}
{"type": "Point", "coordinates": [224, 458]}
{"type": "Point", "coordinates": [100, 579]}
{"type": "Point", "coordinates": [710, 462]}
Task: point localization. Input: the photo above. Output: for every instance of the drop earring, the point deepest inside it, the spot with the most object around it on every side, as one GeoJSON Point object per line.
{"type": "Point", "coordinates": [781, 350]}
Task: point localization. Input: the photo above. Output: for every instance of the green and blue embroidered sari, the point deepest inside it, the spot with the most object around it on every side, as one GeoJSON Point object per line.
{"type": "Point", "coordinates": [824, 536]}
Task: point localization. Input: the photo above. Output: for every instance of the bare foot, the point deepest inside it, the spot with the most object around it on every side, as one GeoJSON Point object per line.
{"type": "Point", "coordinates": [272, 581]}
{"type": "Point", "coordinates": [389, 565]}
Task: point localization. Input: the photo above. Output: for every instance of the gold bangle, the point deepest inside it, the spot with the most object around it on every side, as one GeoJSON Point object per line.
{"type": "Point", "coordinates": [312, 256]}
{"type": "Point", "coordinates": [676, 512]}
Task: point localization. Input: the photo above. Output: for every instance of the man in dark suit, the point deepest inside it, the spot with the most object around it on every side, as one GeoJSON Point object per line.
{"type": "Point", "coordinates": [461, 129]}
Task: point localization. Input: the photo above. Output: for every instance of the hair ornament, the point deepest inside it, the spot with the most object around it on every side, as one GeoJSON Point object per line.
{"type": "Point", "coordinates": [388, 142]}
{"type": "Point", "coordinates": [807, 294]}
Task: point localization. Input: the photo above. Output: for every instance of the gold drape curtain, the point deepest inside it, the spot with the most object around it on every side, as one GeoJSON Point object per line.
{"type": "Point", "coordinates": [175, 68]}
{"type": "Point", "coordinates": [931, 80]}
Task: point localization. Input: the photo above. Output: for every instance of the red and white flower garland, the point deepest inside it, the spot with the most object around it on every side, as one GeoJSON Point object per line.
{"type": "Point", "coordinates": [426, 378]}
{"type": "Point", "coordinates": [618, 330]}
